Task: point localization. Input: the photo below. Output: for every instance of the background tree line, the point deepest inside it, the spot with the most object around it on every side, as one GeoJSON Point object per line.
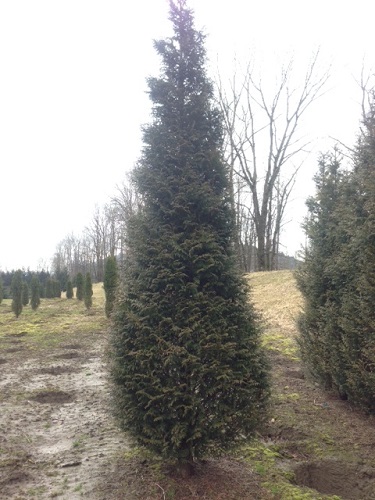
{"type": "Point", "coordinates": [6, 278]}
{"type": "Point", "coordinates": [103, 237]}
{"type": "Point", "coordinates": [50, 284]}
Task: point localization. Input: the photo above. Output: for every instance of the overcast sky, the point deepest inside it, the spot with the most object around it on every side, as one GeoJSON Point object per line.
{"type": "Point", "coordinates": [73, 97]}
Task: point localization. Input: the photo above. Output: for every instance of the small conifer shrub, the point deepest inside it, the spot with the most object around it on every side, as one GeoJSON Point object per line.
{"type": "Point", "coordinates": [16, 288]}
{"type": "Point", "coordinates": [79, 285]}
{"type": "Point", "coordinates": [87, 290]}
{"type": "Point", "coordinates": [69, 290]}
{"type": "Point", "coordinates": [35, 292]}
{"type": "Point", "coordinates": [110, 284]}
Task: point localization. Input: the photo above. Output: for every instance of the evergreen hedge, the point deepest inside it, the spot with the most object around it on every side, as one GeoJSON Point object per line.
{"type": "Point", "coordinates": [110, 284]}
{"type": "Point", "coordinates": [337, 278]}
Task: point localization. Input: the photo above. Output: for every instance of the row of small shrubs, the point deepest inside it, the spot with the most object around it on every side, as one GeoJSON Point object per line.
{"type": "Point", "coordinates": [22, 294]}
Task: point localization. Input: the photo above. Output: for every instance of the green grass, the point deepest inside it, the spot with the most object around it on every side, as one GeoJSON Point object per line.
{"type": "Point", "coordinates": [53, 323]}
{"type": "Point", "coordinates": [314, 431]}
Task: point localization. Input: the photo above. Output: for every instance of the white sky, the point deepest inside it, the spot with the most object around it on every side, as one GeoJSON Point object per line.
{"type": "Point", "coordinates": [72, 97]}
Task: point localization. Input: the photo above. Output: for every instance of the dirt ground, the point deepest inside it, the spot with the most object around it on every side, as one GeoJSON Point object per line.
{"type": "Point", "coordinates": [56, 435]}
{"type": "Point", "coordinates": [319, 442]}
{"type": "Point", "coordinates": [58, 438]}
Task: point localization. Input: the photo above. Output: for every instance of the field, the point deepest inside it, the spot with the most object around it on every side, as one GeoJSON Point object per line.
{"type": "Point", "coordinates": [58, 438]}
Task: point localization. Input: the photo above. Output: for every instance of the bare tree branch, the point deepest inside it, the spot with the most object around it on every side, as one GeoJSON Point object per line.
{"type": "Point", "coordinates": [262, 139]}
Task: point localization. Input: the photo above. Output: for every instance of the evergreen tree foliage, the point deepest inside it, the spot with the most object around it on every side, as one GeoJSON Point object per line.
{"type": "Point", "coordinates": [357, 316]}
{"type": "Point", "coordinates": [337, 279]}
{"type": "Point", "coordinates": [50, 289]}
{"type": "Point", "coordinates": [62, 276]}
{"type": "Point", "coordinates": [43, 277]}
{"type": "Point", "coordinates": [110, 284]}
{"type": "Point", "coordinates": [315, 277]}
{"type": "Point", "coordinates": [25, 294]}
{"type": "Point", "coordinates": [16, 288]}
{"type": "Point", "coordinates": [69, 289]}
{"type": "Point", "coordinates": [87, 291]}
{"type": "Point", "coordinates": [56, 288]}
{"type": "Point", "coordinates": [188, 366]}
{"type": "Point", "coordinates": [79, 285]}
{"type": "Point", "coordinates": [26, 277]}
{"type": "Point", "coordinates": [35, 292]}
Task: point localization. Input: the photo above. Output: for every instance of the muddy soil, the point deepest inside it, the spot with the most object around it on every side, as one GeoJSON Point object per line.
{"type": "Point", "coordinates": [325, 443]}
{"type": "Point", "coordinates": [57, 437]}
{"type": "Point", "coordinates": [60, 439]}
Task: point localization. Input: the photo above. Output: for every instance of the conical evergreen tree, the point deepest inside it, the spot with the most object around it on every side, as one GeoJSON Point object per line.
{"type": "Point", "coordinates": [357, 317]}
{"type": "Point", "coordinates": [337, 280]}
{"type": "Point", "coordinates": [110, 284]}
{"type": "Point", "coordinates": [50, 289]}
{"type": "Point", "coordinates": [79, 285]}
{"type": "Point", "coordinates": [187, 362]}
{"type": "Point", "coordinates": [25, 294]}
{"type": "Point", "coordinates": [69, 289]}
{"type": "Point", "coordinates": [35, 292]}
{"type": "Point", "coordinates": [16, 288]}
{"type": "Point", "coordinates": [56, 288]}
{"type": "Point", "coordinates": [87, 291]}
{"type": "Point", "coordinates": [318, 277]}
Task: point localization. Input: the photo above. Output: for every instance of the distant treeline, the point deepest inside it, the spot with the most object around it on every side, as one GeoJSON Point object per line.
{"type": "Point", "coordinates": [56, 281]}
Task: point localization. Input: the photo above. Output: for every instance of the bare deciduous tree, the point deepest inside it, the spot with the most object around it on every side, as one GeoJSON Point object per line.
{"type": "Point", "coordinates": [263, 147]}
{"type": "Point", "coordinates": [95, 233]}
{"type": "Point", "coordinates": [125, 203]}
{"type": "Point", "coordinates": [367, 84]}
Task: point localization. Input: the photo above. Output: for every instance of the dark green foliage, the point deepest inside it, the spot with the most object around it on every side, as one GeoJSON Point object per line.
{"type": "Point", "coordinates": [357, 317]}
{"type": "Point", "coordinates": [16, 288]}
{"type": "Point", "coordinates": [69, 290]}
{"type": "Point", "coordinates": [43, 276]}
{"type": "Point", "coordinates": [87, 291]}
{"type": "Point", "coordinates": [7, 277]}
{"type": "Point", "coordinates": [35, 293]}
{"type": "Point", "coordinates": [316, 278]}
{"type": "Point", "coordinates": [190, 373]}
{"type": "Point", "coordinates": [337, 279]}
{"type": "Point", "coordinates": [50, 289]}
{"type": "Point", "coordinates": [110, 284]}
{"type": "Point", "coordinates": [25, 294]}
{"type": "Point", "coordinates": [62, 276]}
{"type": "Point", "coordinates": [56, 288]}
{"type": "Point", "coordinates": [53, 288]}
{"type": "Point", "coordinates": [79, 285]}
